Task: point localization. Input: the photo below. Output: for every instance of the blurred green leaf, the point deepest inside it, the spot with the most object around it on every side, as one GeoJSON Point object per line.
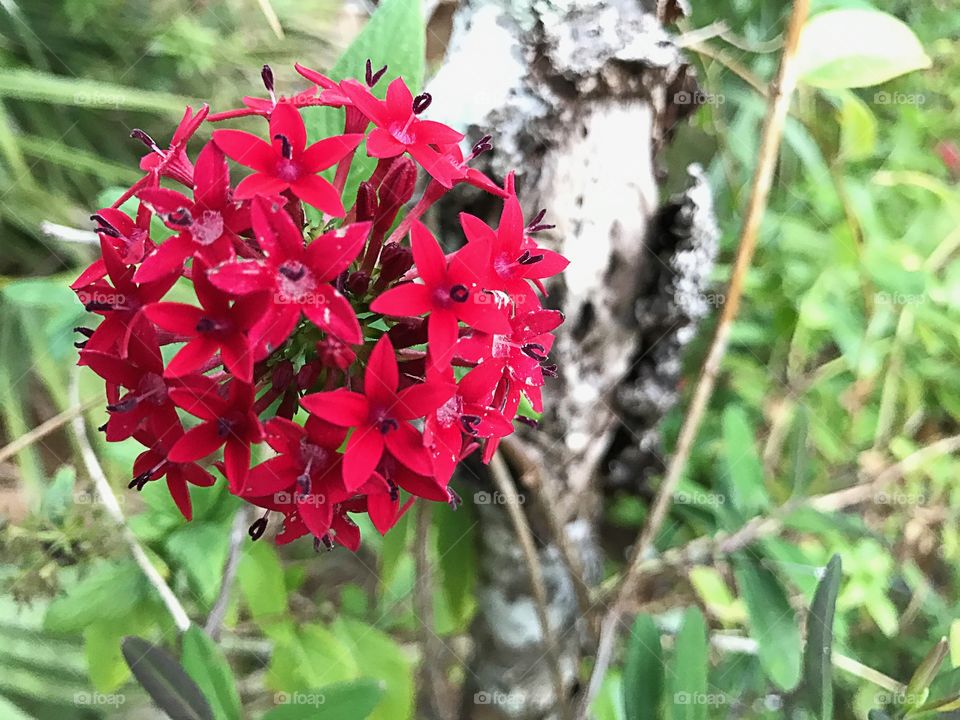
{"type": "Point", "coordinates": [858, 128]}
{"type": "Point", "coordinates": [818, 651]}
{"type": "Point", "coordinates": [165, 681]}
{"type": "Point", "coordinates": [381, 658]}
{"type": "Point", "coordinates": [26, 84]}
{"type": "Point", "coordinates": [110, 589]}
{"type": "Point", "coordinates": [456, 547]}
{"type": "Point", "coordinates": [261, 582]}
{"type": "Point", "coordinates": [918, 689]}
{"type": "Point", "coordinates": [643, 671]}
{"type": "Point", "coordinates": [857, 48]}
{"type": "Point", "coordinates": [743, 462]}
{"type": "Point", "coordinates": [688, 699]}
{"type": "Point", "coordinates": [205, 663]}
{"type": "Point", "coordinates": [772, 621]}
{"type": "Point", "coordinates": [201, 548]}
{"type": "Point", "coordinates": [58, 496]}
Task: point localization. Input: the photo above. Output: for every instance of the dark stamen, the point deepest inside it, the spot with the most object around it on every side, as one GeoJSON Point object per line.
{"type": "Point", "coordinates": [286, 149]}
{"type": "Point", "coordinates": [80, 345]}
{"type": "Point", "coordinates": [103, 428]}
{"type": "Point", "coordinates": [258, 528]}
{"type": "Point", "coordinates": [372, 77]}
{"type": "Point", "coordinates": [181, 217]}
{"type": "Point", "coordinates": [483, 145]}
{"type": "Point", "coordinates": [529, 422]}
{"type": "Point", "coordinates": [145, 139]}
{"type": "Point", "coordinates": [453, 500]}
{"type": "Point", "coordinates": [303, 484]}
{"type": "Point", "coordinates": [292, 273]}
{"type": "Point", "coordinates": [422, 102]}
{"type": "Point", "coordinates": [85, 331]}
{"type": "Point", "coordinates": [536, 225]}
{"type": "Point", "coordinates": [205, 325]}
{"type": "Point", "coordinates": [459, 293]}
{"type": "Point", "coordinates": [140, 480]}
{"type": "Point", "coordinates": [549, 370]}
{"type": "Point", "coordinates": [125, 405]}
{"type": "Point", "coordinates": [104, 226]}
{"type": "Point", "coordinates": [527, 259]}
{"type": "Point", "coordinates": [266, 74]}
{"type": "Point", "coordinates": [470, 423]}
{"type": "Point", "coordinates": [327, 541]}
{"type": "Point", "coordinates": [394, 492]}
{"type": "Point", "coordinates": [388, 424]}
{"type": "Point", "coordinates": [534, 350]}
{"type": "Point", "coordinates": [224, 427]}
{"type": "Point", "coordinates": [97, 305]}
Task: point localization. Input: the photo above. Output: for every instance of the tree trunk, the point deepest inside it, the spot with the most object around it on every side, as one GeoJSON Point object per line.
{"type": "Point", "coordinates": [578, 96]}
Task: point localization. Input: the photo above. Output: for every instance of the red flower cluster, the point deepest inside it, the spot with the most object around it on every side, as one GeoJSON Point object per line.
{"type": "Point", "coordinates": [370, 368]}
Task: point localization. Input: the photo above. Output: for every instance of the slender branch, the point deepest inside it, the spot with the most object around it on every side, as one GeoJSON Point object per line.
{"type": "Point", "coordinates": [238, 532]}
{"type": "Point", "coordinates": [532, 477]}
{"type": "Point", "coordinates": [68, 234]}
{"type": "Point", "coordinates": [431, 678]}
{"type": "Point", "coordinates": [46, 427]}
{"type": "Point", "coordinates": [501, 478]}
{"type": "Point", "coordinates": [780, 94]}
{"type": "Point", "coordinates": [112, 506]}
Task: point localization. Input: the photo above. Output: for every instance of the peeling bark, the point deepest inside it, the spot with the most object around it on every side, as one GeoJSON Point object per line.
{"type": "Point", "coordinates": [577, 97]}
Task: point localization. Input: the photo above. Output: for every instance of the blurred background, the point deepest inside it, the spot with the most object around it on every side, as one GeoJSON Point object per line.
{"type": "Point", "coordinates": [844, 356]}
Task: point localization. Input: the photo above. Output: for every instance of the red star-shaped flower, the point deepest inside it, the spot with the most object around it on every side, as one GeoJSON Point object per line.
{"type": "Point", "coordinates": [287, 163]}
{"type": "Point", "coordinates": [379, 416]}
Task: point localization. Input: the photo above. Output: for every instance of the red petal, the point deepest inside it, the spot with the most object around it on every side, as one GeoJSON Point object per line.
{"type": "Point", "coordinates": [211, 178]}
{"type": "Point", "coordinates": [196, 443]}
{"type": "Point", "coordinates": [331, 253]}
{"type": "Point", "coordinates": [241, 277]}
{"type": "Point", "coordinates": [191, 357]}
{"type": "Point", "coordinates": [176, 317]}
{"type": "Point", "coordinates": [270, 477]}
{"type": "Point", "coordinates": [365, 102]}
{"type": "Point", "coordinates": [332, 312]}
{"type": "Point", "coordinates": [259, 184]}
{"type": "Point", "coordinates": [166, 259]}
{"type": "Point", "coordinates": [418, 400]}
{"type": "Point", "coordinates": [237, 356]}
{"type": "Point", "coordinates": [406, 445]}
{"type": "Point", "coordinates": [381, 144]}
{"type": "Point", "coordinates": [316, 191]}
{"type": "Point", "coordinates": [164, 201]}
{"type": "Point", "coordinates": [246, 149]}
{"type": "Point", "coordinates": [179, 492]}
{"type": "Point", "coordinates": [435, 133]}
{"type": "Point", "coordinates": [364, 450]}
{"type": "Point", "coordinates": [442, 330]}
{"type": "Point", "coordinates": [285, 120]}
{"type": "Point", "coordinates": [382, 374]}
{"type": "Point", "coordinates": [329, 151]}
{"type": "Point", "coordinates": [407, 300]}
{"type": "Point", "coordinates": [429, 258]}
{"type": "Point", "coordinates": [340, 407]}
{"type": "Point", "coordinates": [236, 456]}
{"type": "Point", "coordinates": [399, 98]}
{"type": "Point", "coordinates": [383, 511]}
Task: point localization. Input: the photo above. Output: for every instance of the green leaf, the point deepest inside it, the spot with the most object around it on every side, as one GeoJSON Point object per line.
{"type": "Point", "coordinates": [818, 652]}
{"type": "Point", "coordinates": [262, 585]}
{"type": "Point", "coordinates": [772, 621]}
{"type": "Point", "coordinates": [342, 701]}
{"type": "Point", "coordinates": [743, 462]}
{"type": "Point", "coordinates": [201, 548]}
{"type": "Point", "coordinates": [308, 656]}
{"type": "Point", "coordinates": [919, 686]}
{"type": "Point", "coordinates": [643, 671]}
{"type": "Point", "coordinates": [688, 672]}
{"type": "Point", "coordinates": [109, 590]}
{"type": "Point", "coordinates": [857, 48]}
{"type": "Point", "coordinates": [381, 658]}
{"type": "Point", "coordinates": [165, 681]}
{"type": "Point", "coordinates": [9, 711]}
{"type": "Point", "coordinates": [394, 36]}
{"type": "Point", "coordinates": [858, 128]}
{"type": "Point", "coordinates": [58, 496]}
{"type": "Point", "coordinates": [205, 663]}
{"type": "Point", "coordinates": [457, 557]}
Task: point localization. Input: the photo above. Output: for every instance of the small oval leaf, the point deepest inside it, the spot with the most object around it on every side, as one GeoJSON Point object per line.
{"type": "Point", "coordinates": [818, 652]}
{"type": "Point", "coordinates": [855, 47]}
{"type": "Point", "coordinates": [165, 681]}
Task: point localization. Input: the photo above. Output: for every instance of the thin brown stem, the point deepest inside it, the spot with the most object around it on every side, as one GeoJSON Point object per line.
{"type": "Point", "coordinates": [431, 678]}
{"type": "Point", "coordinates": [508, 489]}
{"type": "Point", "coordinates": [46, 427]}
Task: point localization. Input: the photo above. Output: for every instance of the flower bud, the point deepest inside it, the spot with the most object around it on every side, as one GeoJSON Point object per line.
{"type": "Point", "coordinates": [357, 283]}
{"type": "Point", "coordinates": [397, 188]}
{"type": "Point", "coordinates": [395, 260]}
